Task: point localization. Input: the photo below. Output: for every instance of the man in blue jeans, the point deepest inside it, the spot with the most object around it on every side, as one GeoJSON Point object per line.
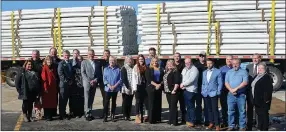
{"type": "Point", "coordinates": [236, 81]}
{"type": "Point", "coordinates": [189, 84]}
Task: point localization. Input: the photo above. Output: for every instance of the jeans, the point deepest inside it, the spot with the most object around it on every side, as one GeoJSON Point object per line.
{"type": "Point", "coordinates": [190, 104]}
{"type": "Point", "coordinates": [236, 101]}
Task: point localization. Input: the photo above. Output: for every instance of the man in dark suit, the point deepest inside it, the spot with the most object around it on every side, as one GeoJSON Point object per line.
{"type": "Point", "coordinates": [252, 72]}
{"type": "Point", "coordinates": [91, 74]}
{"type": "Point", "coordinates": [65, 73]}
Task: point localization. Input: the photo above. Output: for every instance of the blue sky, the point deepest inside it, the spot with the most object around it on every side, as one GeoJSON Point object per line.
{"type": "Point", "coordinates": [15, 5]}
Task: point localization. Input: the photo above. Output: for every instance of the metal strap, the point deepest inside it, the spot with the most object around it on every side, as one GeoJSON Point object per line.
{"type": "Point", "coordinates": [59, 32]}
{"type": "Point", "coordinates": [209, 26]}
{"type": "Point", "coordinates": [13, 37]}
{"type": "Point", "coordinates": [105, 28]}
{"type": "Point", "coordinates": [158, 29]}
{"type": "Point", "coordinates": [217, 38]}
{"type": "Point", "coordinates": [272, 34]}
{"type": "Point", "coordinates": [175, 38]}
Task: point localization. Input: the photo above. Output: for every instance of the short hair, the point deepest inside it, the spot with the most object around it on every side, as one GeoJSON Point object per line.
{"type": "Point", "coordinates": [128, 57]}
{"type": "Point", "coordinates": [236, 59]}
{"type": "Point", "coordinates": [107, 50]}
{"type": "Point", "coordinates": [52, 48]}
{"type": "Point", "coordinates": [37, 51]}
{"type": "Point", "coordinates": [229, 56]}
{"type": "Point", "coordinates": [256, 54]}
{"type": "Point", "coordinates": [91, 50]}
{"type": "Point", "coordinates": [67, 52]}
{"type": "Point", "coordinates": [115, 59]}
{"type": "Point", "coordinates": [76, 50]}
{"type": "Point", "coordinates": [210, 60]}
{"type": "Point", "coordinates": [152, 49]}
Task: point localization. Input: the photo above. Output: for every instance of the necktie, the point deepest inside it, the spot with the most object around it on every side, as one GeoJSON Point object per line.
{"type": "Point", "coordinates": [255, 70]}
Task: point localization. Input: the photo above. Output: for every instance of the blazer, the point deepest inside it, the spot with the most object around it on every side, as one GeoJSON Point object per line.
{"type": "Point", "coordinates": [65, 74]}
{"type": "Point", "coordinates": [88, 73]}
{"type": "Point", "coordinates": [263, 92]}
{"type": "Point", "coordinates": [149, 75]}
{"type": "Point", "coordinates": [172, 79]}
{"type": "Point", "coordinates": [214, 85]}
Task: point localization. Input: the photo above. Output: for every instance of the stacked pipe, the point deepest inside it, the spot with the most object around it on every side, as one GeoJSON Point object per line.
{"type": "Point", "coordinates": [236, 27]}
{"type": "Point", "coordinates": [83, 28]}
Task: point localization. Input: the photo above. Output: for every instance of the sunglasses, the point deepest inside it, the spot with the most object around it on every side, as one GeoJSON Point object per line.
{"type": "Point", "coordinates": [201, 55]}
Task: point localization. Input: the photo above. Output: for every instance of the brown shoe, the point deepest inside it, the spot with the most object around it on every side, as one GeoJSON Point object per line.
{"type": "Point", "coordinates": [189, 124]}
{"type": "Point", "coordinates": [217, 128]}
{"type": "Point", "coordinates": [229, 129]}
{"type": "Point", "coordinates": [243, 129]}
{"type": "Point", "coordinates": [137, 119]}
{"type": "Point", "coordinates": [210, 126]}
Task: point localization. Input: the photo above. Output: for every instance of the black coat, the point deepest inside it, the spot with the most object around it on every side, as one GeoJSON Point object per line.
{"type": "Point", "coordinates": [263, 92]}
{"type": "Point", "coordinates": [22, 82]}
{"type": "Point", "coordinates": [149, 75]}
{"type": "Point", "coordinates": [37, 65]}
{"type": "Point", "coordinates": [124, 77]}
{"type": "Point", "coordinates": [172, 79]}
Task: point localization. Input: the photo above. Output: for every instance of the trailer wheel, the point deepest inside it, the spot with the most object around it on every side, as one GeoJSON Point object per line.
{"type": "Point", "coordinates": [11, 74]}
{"type": "Point", "coordinates": [277, 77]}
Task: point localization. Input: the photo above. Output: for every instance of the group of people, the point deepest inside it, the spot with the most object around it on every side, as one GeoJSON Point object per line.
{"type": "Point", "coordinates": [75, 81]}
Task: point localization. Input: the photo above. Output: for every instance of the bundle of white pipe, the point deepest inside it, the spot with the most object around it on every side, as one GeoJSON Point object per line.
{"type": "Point", "coordinates": [35, 32]}
{"type": "Point", "coordinates": [243, 28]}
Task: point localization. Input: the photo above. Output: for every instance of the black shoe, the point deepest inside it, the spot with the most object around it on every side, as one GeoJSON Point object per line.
{"type": "Point", "coordinates": [128, 119]}
{"type": "Point", "coordinates": [49, 119]}
{"type": "Point", "coordinates": [88, 118]}
{"type": "Point", "coordinates": [104, 119]}
{"type": "Point", "coordinates": [183, 121]}
{"type": "Point", "coordinates": [112, 118]}
{"type": "Point", "coordinates": [61, 118]}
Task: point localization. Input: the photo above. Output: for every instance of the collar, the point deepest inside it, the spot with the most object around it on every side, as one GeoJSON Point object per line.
{"type": "Point", "coordinates": [211, 69]}
{"type": "Point", "coordinates": [189, 67]}
{"type": "Point", "coordinates": [112, 67]}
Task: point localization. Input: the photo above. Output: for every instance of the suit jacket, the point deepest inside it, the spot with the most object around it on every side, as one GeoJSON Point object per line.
{"type": "Point", "coordinates": [263, 92]}
{"type": "Point", "coordinates": [149, 74]}
{"type": "Point", "coordinates": [66, 74]}
{"type": "Point", "coordinates": [88, 73]}
{"type": "Point", "coordinates": [214, 86]}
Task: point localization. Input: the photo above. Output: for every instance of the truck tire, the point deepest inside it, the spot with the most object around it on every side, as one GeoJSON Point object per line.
{"type": "Point", "coordinates": [277, 77]}
{"type": "Point", "coordinates": [11, 74]}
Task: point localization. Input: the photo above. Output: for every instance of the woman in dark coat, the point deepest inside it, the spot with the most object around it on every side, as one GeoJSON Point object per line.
{"type": "Point", "coordinates": [28, 86]}
{"type": "Point", "coordinates": [262, 90]}
{"type": "Point", "coordinates": [171, 81]}
{"type": "Point", "coordinates": [50, 92]}
{"type": "Point", "coordinates": [154, 76]}
{"type": "Point", "coordinates": [78, 94]}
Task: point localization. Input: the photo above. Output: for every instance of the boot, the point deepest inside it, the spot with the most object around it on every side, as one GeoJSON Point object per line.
{"type": "Point", "coordinates": [210, 126]}
{"type": "Point", "coordinates": [29, 116]}
{"type": "Point", "coordinates": [145, 118]}
{"type": "Point", "coordinates": [217, 128]}
{"type": "Point", "coordinates": [137, 119]}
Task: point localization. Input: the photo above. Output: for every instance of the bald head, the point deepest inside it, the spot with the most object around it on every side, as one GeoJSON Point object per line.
{"type": "Point", "coordinates": [188, 62]}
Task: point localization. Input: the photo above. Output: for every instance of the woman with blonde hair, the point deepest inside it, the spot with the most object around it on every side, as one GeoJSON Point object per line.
{"type": "Point", "coordinates": [154, 76]}
{"type": "Point", "coordinates": [171, 82]}
{"type": "Point", "coordinates": [28, 86]}
{"type": "Point", "coordinates": [139, 87]}
{"type": "Point", "coordinates": [50, 92]}
{"type": "Point", "coordinates": [127, 92]}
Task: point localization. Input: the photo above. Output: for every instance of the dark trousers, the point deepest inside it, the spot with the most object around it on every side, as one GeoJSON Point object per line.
{"type": "Point", "coordinates": [126, 104]}
{"type": "Point", "coordinates": [263, 119]}
{"type": "Point", "coordinates": [141, 99]}
{"type": "Point", "coordinates": [71, 101]}
{"type": "Point", "coordinates": [48, 112]}
{"type": "Point", "coordinates": [182, 104]}
{"type": "Point", "coordinates": [173, 110]}
{"type": "Point", "coordinates": [212, 103]}
{"type": "Point", "coordinates": [27, 107]}
{"type": "Point", "coordinates": [113, 97]}
{"type": "Point", "coordinates": [250, 110]}
{"type": "Point", "coordinates": [223, 103]}
{"type": "Point", "coordinates": [198, 110]}
{"type": "Point", "coordinates": [101, 87]}
{"type": "Point", "coordinates": [64, 97]}
{"type": "Point", "coordinates": [190, 104]}
{"type": "Point", "coordinates": [155, 104]}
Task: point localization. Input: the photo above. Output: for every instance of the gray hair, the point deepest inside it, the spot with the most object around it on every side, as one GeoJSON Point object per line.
{"type": "Point", "coordinates": [236, 59]}
{"type": "Point", "coordinates": [263, 64]}
{"type": "Point", "coordinates": [128, 57]}
{"type": "Point", "coordinates": [67, 52]}
{"type": "Point", "coordinates": [115, 59]}
{"type": "Point", "coordinates": [229, 56]}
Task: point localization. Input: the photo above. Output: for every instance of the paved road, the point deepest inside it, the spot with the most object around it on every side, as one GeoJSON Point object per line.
{"type": "Point", "coordinates": [11, 109]}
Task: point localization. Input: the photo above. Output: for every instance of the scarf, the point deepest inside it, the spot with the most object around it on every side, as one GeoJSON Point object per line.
{"type": "Point", "coordinates": [165, 79]}
{"type": "Point", "coordinates": [257, 78]}
{"type": "Point", "coordinates": [129, 77]}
